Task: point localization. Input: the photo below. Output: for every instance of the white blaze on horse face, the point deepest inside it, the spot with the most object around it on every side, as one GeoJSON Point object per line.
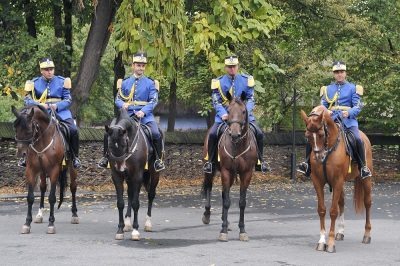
{"type": "Point", "coordinates": [315, 140]}
{"type": "Point", "coordinates": [322, 237]}
{"type": "Point", "coordinates": [116, 145]}
{"type": "Point", "coordinates": [341, 224]}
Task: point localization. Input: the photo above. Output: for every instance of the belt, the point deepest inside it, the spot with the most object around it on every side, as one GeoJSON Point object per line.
{"type": "Point", "coordinates": [53, 100]}
{"type": "Point", "coordinates": [138, 103]}
{"type": "Point", "coordinates": [339, 107]}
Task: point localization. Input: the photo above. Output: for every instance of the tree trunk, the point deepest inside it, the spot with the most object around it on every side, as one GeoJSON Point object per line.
{"type": "Point", "coordinates": [58, 33]}
{"type": "Point", "coordinates": [29, 10]}
{"type": "Point", "coordinates": [119, 73]}
{"type": "Point", "coordinates": [99, 35]}
{"type": "Point", "coordinates": [68, 37]}
{"type": "Point", "coordinates": [172, 106]}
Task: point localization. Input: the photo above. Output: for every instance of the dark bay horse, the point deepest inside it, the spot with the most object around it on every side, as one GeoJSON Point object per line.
{"type": "Point", "coordinates": [330, 164]}
{"type": "Point", "coordinates": [238, 156]}
{"type": "Point", "coordinates": [129, 152]}
{"type": "Point", "coordinates": [38, 136]}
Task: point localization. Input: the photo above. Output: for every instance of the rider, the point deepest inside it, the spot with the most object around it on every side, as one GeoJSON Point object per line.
{"type": "Point", "coordinates": [345, 97]}
{"type": "Point", "coordinates": [54, 93]}
{"type": "Point", "coordinates": [138, 94]}
{"type": "Point", "coordinates": [235, 84]}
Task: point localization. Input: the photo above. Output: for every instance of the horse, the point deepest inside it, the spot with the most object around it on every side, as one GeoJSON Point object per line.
{"type": "Point", "coordinates": [330, 164]}
{"type": "Point", "coordinates": [38, 136]}
{"type": "Point", "coordinates": [131, 160]}
{"type": "Point", "coordinates": [237, 151]}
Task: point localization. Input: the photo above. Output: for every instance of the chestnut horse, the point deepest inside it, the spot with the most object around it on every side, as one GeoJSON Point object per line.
{"type": "Point", "coordinates": [39, 137]}
{"type": "Point", "coordinates": [129, 152]}
{"type": "Point", "coordinates": [238, 155]}
{"type": "Point", "coordinates": [330, 164]}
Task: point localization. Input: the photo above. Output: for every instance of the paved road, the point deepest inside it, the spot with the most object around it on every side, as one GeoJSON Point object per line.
{"type": "Point", "coordinates": [281, 221]}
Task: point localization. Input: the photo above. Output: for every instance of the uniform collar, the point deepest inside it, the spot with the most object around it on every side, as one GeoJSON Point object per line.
{"type": "Point", "coordinates": [47, 80]}
{"type": "Point", "coordinates": [136, 77]}
{"type": "Point", "coordinates": [344, 82]}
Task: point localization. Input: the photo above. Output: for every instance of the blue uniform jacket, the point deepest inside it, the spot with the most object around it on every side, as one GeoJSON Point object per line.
{"type": "Point", "coordinates": [143, 96]}
{"type": "Point", "coordinates": [220, 86]}
{"type": "Point", "coordinates": [55, 91]}
{"type": "Point", "coordinates": [343, 97]}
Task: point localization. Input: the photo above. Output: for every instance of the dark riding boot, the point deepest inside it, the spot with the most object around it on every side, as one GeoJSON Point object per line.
{"type": "Point", "coordinates": [364, 170]}
{"type": "Point", "coordinates": [22, 161]}
{"type": "Point", "coordinates": [103, 163]}
{"type": "Point", "coordinates": [305, 167]}
{"type": "Point", "coordinates": [75, 150]}
{"type": "Point", "coordinates": [263, 166]}
{"type": "Point", "coordinates": [158, 146]}
{"type": "Point", "coordinates": [208, 166]}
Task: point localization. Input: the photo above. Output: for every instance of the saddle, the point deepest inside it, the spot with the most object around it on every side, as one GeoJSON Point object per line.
{"type": "Point", "coordinates": [65, 134]}
{"type": "Point", "coordinates": [350, 142]}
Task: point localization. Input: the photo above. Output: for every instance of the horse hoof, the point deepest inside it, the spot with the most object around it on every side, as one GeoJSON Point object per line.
{"type": "Point", "coordinates": [51, 230]}
{"type": "Point", "coordinates": [135, 235]}
{"type": "Point", "coordinates": [243, 237]}
{"type": "Point", "coordinates": [205, 219]}
{"type": "Point", "coordinates": [119, 237]}
{"type": "Point", "coordinates": [366, 240]}
{"type": "Point", "coordinates": [25, 229]}
{"type": "Point", "coordinates": [331, 249]}
{"type": "Point", "coordinates": [148, 228]}
{"type": "Point", "coordinates": [321, 247]}
{"type": "Point", "coordinates": [128, 228]}
{"type": "Point", "coordinates": [75, 220]}
{"type": "Point", "coordinates": [38, 220]}
{"type": "Point", "coordinates": [223, 237]}
{"type": "Point", "coordinates": [339, 237]}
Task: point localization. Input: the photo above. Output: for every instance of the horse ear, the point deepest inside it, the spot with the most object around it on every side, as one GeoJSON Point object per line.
{"type": "Point", "coordinates": [321, 116]}
{"type": "Point", "coordinates": [304, 116]}
{"type": "Point", "coordinates": [107, 128]}
{"type": "Point", "coordinates": [243, 96]}
{"type": "Point", "coordinates": [229, 96]}
{"type": "Point", "coordinates": [31, 113]}
{"type": "Point", "coordinates": [14, 111]}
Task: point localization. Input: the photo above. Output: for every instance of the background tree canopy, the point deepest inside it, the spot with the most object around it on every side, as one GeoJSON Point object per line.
{"type": "Point", "coordinates": [284, 44]}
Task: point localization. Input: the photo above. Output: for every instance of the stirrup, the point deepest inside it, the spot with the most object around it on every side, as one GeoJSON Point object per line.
{"type": "Point", "coordinates": [159, 165]}
{"type": "Point", "coordinates": [265, 167]}
{"type": "Point", "coordinates": [103, 163]}
{"type": "Point", "coordinates": [365, 172]}
{"type": "Point", "coordinates": [207, 168]}
{"type": "Point", "coordinates": [76, 163]}
{"type": "Point", "coordinates": [304, 169]}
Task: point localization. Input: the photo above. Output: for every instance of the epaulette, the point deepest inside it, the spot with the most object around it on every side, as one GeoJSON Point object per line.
{"type": "Point", "coordinates": [215, 83]}
{"type": "Point", "coordinates": [359, 90]}
{"type": "Point", "coordinates": [250, 81]}
{"type": "Point", "coordinates": [322, 91]}
{"type": "Point", "coordinates": [29, 85]}
{"type": "Point", "coordinates": [61, 77]}
{"type": "Point", "coordinates": [67, 83]}
{"type": "Point", "coordinates": [119, 84]}
{"type": "Point", "coordinates": [157, 84]}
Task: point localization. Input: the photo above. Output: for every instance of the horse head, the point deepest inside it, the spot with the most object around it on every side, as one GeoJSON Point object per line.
{"type": "Point", "coordinates": [318, 125]}
{"type": "Point", "coordinates": [23, 128]}
{"type": "Point", "coordinates": [119, 134]}
{"type": "Point", "coordinates": [237, 116]}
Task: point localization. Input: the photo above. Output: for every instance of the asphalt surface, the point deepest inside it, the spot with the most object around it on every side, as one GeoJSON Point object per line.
{"type": "Point", "coordinates": [281, 221]}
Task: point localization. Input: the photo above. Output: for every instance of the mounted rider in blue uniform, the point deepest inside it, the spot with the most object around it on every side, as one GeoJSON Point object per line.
{"type": "Point", "coordinates": [54, 93]}
{"type": "Point", "coordinates": [235, 84]}
{"type": "Point", "coordinates": [138, 94]}
{"type": "Point", "coordinates": [343, 99]}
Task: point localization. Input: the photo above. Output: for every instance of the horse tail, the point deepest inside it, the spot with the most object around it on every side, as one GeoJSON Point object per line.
{"type": "Point", "coordinates": [207, 184]}
{"type": "Point", "coordinates": [358, 198]}
{"type": "Point", "coordinates": [62, 180]}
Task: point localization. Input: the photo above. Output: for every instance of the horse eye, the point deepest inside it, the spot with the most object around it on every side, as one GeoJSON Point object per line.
{"type": "Point", "coordinates": [244, 112]}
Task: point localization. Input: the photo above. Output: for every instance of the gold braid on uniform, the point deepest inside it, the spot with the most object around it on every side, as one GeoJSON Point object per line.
{"type": "Point", "coordinates": [324, 91]}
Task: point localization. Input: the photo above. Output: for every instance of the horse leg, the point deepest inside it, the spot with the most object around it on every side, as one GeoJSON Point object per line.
{"type": "Point", "coordinates": [26, 228]}
{"type": "Point", "coordinates": [135, 207]}
{"type": "Point", "coordinates": [337, 191]}
{"type": "Point", "coordinates": [226, 203]}
{"type": "Point", "coordinates": [207, 188]}
{"type": "Point", "coordinates": [244, 184]}
{"type": "Point", "coordinates": [154, 178]}
{"type": "Point", "coordinates": [367, 203]}
{"type": "Point", "coordinates": [319, 189]}
{"type": "Point", "coordinates": [43, 186]}
{"type": "Point", "coordinates": [128, 223]}
{"type": "Point", "coordinates": [52, 200]}
{"type": "Point", "coordinates": [73, 186]}
{"type": "Point", "coordinates": [340, 233]}
{"type": "Point", "coordinates": [119, 189]}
